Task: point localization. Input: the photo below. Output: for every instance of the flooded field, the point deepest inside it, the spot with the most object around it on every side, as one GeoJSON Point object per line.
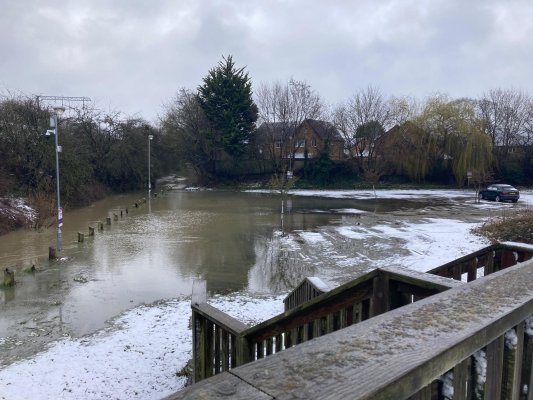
{"type": "Point", "coordinates": [236, 241]}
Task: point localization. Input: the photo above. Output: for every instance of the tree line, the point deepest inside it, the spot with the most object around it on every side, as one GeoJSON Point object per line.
{"type": "Point", "coordinates": [438, 139]}
{"type": "Point", "coordinates": [100, 152]}
{"type": "Point", "coordinates": [212, 129]}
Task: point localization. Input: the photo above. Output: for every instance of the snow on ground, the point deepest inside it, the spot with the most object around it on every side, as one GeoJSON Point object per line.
{"type": "Point", "coordinates": [136, 357]}
{"type": "Point", "coordinates": [140, 353]}
{"type": "Point", "coordinates": [435, 242]}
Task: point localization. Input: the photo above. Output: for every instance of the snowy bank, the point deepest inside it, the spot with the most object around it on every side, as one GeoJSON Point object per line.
{"type": "Point", "coordinates": [138, 356]}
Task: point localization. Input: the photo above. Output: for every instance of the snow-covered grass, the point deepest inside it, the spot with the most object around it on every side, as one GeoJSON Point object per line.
{"type": "Point", "coordinates": [140, 353]}
{"type": "Point", "coordinates": [138, 356]}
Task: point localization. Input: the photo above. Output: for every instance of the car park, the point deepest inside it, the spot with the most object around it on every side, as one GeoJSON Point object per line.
{"type": "Point", "coordinates": [500, 192]}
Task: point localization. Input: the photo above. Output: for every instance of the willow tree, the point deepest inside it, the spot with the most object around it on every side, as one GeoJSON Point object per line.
{"type": "Point", "coordinates": [461, 145]}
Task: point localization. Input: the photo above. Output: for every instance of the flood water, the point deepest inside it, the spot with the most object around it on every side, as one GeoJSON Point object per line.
{"type": "Point", "coordinates": [153, 253]}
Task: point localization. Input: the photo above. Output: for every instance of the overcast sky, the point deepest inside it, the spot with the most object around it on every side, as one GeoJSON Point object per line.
{"type": "Point", "coordinates": [133, 55]}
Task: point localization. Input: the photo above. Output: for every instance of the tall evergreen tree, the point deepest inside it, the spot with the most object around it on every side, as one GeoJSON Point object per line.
{"type": "Point", "coordinates": [226, 99]}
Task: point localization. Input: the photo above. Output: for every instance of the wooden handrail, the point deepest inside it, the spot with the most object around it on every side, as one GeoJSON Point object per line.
{"type": "Point", "coordinates": [221, 343]}
{"type": "Point", "coordinates": [503, 255]}
{"type": "Point", "coordinates": [223, 320]}
{"type": "Point", "coordinates": [401, 354]}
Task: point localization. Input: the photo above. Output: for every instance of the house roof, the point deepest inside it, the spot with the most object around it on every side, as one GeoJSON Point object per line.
{"type": "Point", "coordinates": [280, 130]}
{"type": "Point", "coordinates": [324, 129]}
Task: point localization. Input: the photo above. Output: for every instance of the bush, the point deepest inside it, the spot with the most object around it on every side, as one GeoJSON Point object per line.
{"type": "Point", "coordinates": [516, 227]}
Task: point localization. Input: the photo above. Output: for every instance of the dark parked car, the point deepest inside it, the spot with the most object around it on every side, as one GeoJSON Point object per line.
{"type": "Point", "coordinates": [500, 193]}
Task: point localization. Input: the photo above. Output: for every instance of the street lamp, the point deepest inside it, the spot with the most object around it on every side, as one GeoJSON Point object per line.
{"type": "Point", "coordinates": [58, 111]}
{"type": "Point", "coordinates": [150, 137]}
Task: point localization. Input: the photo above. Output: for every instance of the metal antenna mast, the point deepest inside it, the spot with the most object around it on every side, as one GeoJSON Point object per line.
{"type": "Point", "coordinates": [64, 101]}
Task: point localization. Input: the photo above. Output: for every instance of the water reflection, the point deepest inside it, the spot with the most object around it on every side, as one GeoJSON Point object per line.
{"type": "Point", "coordinates": [232, 240]}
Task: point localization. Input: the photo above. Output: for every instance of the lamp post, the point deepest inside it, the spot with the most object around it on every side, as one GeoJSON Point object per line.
{"type": "Point", "coordinates": [150, 137]}
{"type": "Point", "coordinates": [58, 111]}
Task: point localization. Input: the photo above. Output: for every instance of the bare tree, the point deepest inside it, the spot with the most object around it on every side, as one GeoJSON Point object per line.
{"type": "Point", "coordinates": [505, 114]}
{"type": "Point", "coordinates": [184, 128]}
{"type": "Point", "coordinates": [363, 121]}
{"type": "Point", "coordinates": [282, 108]}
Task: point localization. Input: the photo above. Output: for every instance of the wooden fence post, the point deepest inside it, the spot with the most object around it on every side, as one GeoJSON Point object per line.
{"type": "Point", "coordinates": [51, 253]}
{"type": "Point", "coordinates": [9, 277]}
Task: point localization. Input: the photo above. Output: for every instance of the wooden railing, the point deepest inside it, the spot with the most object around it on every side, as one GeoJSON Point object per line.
{"type": "Point", "coordinates": [216, 341]}
{"type": "Point", "coordinates": [310, 288]}
{"type": "Point", "coordinates": [221, 343]}
{"type": "Point", "coordinates": [473, 341]}
{"type": "Point", "coordinates": [483, 262]}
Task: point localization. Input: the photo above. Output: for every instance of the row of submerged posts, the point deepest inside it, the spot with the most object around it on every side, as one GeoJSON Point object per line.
{"type": "Point", "coordinates": [115, 216]}
{"type": "Point", "coordinates": [445, 334]}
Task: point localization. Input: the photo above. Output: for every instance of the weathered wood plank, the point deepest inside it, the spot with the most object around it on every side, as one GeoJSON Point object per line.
{"type": "Point", "coordinates": [380, 294]}
{"type": "Point", "coordinates": [225, 353]}
{"type": "Point", "coordinates": [493, 384]}
{"type": "Point", "coordinates": [209, 348]}
{"type": "Point", "coordinates": [468, 257]}
{"type": "Point", "coordinates": [320, 306]}
{"type": "Point", "coordinates": [222, 386]}
{"type": "Point", "coordinates": [218, 341]}
{"type": "Point", "coordinates": [222, 319]}
{"type": "Point", "coordinates": [398, 353]}
{"type": "Point", "coordinates": [461, 380]}
{"type": "Point", "coordinates": [512, 364]}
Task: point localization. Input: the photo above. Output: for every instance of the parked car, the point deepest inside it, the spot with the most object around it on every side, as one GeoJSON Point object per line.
{"type": "Point", "coordinates": [500, 192]}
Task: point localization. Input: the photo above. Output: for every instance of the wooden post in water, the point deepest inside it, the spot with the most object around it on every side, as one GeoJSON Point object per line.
{"type": "Point", "coordinates": [91, 231]}
{"type": "Point", "coordinates": [108, 220]}
{"type": "Point", "coordinates": [115, 217]}
{"type": "Point", "coordinates": [81, 237]}
{"type": "Point", "coordinates": [9, 277]}
{"type": "Point", "coordinates": [100, 226]}
{"type": "Point", "coordinates": [51, 253]}
{"type": "Point", "coordinates": [120, 213]}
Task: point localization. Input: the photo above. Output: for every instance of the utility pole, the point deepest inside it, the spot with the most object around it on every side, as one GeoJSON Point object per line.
{"type": "Point", "coordinates": [54, 123]}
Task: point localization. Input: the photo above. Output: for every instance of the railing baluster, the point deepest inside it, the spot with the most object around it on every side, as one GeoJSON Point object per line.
{"type": "Point", "coordinates": [462, 387]}
{"type": "Point", "coordinates": [209, 348]}
{"type": "Point", "coordinates": [233, 351]}
{"type": "Point", "coordinates": [493, 384]}
{"type": "Point", "coordinates": [279, 343]}
{"type": "Point", "coordinates": [217, 339]}
{"type": "Point", "coordinates": [512, 363]}
{"type": "Point", "coordinates": [527, 370]}
{"type": "Point", "coordinates": [225, 354]}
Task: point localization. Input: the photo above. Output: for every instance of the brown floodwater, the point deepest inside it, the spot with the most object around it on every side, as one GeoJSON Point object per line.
{"type": "Point", "coordinates": [152, 253]}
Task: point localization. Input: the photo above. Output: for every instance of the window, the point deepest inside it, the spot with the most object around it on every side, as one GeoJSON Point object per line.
{"type": "Point", "coordinates": [313, 142]}
{"type": "Point", "coordinates": [300, 143]}
{"type": "Point", "coordinates": [278, 144]}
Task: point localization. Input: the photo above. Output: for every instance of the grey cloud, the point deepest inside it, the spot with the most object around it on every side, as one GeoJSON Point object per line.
{"type": "Point", "coordinates": [134, 55]}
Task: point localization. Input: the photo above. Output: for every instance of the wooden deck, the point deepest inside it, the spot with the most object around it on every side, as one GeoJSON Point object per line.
{"type": "Point", "coordinates": [223, 345]}
{"type": "Point", "coordinates": [403, 353]}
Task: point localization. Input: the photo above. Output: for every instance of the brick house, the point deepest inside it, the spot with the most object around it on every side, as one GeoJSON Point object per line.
{"type": "Point", "coordinates": [285, 141]}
